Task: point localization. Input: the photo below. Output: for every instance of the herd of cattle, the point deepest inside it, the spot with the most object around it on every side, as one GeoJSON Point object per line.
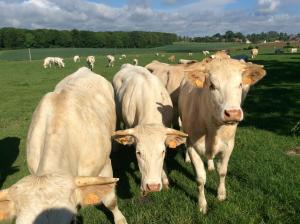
{"type": "Point", "coordinates": [69, 139]}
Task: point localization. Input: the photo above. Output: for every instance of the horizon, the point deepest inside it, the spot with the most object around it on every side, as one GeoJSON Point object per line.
{"type": "Point", "coordinates": [185, 18]}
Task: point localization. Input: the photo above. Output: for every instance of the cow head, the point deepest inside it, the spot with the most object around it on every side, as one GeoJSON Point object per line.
{"type": "Point", "coordinates": [226, 83]}
{"type": "Point", "coordinates": [150, 142]}
{"type": "Point", "coordinates": [51, 198]}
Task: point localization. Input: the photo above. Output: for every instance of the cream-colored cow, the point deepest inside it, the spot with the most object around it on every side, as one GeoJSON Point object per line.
{"type": "Point", "coordinates": [68, 148]}
{"type": "Point", "coordinates": [48, 62]}
{"type": "Point", "coordinates": [185, 61]}
{"type": "Point", "coordinates": [76, 58]}
{"type": "Point", "coordinates": [254, 52]}
{"type": "Point", "coordinates": [111, 60]}
{"type": "Point", "coordinates": [135, 61]}
{"type": "Point", "coordinates": [145, 107]}
{"type": "Point", "coordinates": [90, 60]}
{"type": "Point", "coordinates": [172, 58]}
{"type": "Point", "coordinates": [294, 50]}
{"type": "Point", "coordinates": [210, 109]}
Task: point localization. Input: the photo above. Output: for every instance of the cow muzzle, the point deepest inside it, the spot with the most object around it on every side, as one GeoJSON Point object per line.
{"type": "Point", "coordinates": [153, 187]}
{"type": "Point", "coordinates": [232, 116]}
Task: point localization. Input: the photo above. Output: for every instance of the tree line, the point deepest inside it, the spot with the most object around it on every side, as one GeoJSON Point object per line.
{"type": "Point", "coordinates": [12, 38]}
{"type": "Point", "coordinates": [230, 36]}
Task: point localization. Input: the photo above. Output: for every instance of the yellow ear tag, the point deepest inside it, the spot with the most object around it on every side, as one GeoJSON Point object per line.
{"type": "Point", "coordinates": [198, 83]}
{"type": "Point", "coordinates": [91, 199]}
{"type": "Point", "coordinates": [123, 140]}
{"type": "Point", "coordinates": [172, 144]}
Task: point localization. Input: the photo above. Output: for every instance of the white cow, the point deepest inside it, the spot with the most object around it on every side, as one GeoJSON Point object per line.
{"type": "Point", "coordinates": [111, 60]}
{"type": "Point", "coordinates": [157, 54]}
{"type": "Point", "coordinates": [145, 107]}
{"type": "Point", "coordinates": [254, 52]}
{"type": "Point", "coordinates": [76, 58]}
{"type": "Point", "coordinates": [190, 54]}
{"type": "Point", "coordinates": [205, 53]}
{"type": "Point", "coordinates": [68, 148]}
{"type": "Point", "coordinates": [135, 61]}
{"type": "Point", "coordinates": [294, 50]}
{"type": "Point", "coordinates": [59, 62]}
{"type": "Point", "coordinates": [123, 56]}
{"type": "Point", "coordinates": [90, 60]}
{"type": "Point", "coordinates": [210, 109]}
{"type": "Point", "coordinates": [48, 62]}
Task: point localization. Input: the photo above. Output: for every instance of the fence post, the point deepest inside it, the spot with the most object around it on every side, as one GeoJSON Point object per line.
{"type": "Point", "coordinates": [29, 52]}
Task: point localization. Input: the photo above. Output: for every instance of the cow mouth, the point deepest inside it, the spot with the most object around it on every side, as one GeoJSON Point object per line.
{"type": "Point", "coordinates": [230, 122]}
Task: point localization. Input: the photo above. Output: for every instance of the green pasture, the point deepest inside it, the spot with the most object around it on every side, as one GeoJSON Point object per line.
{"type": "Point", "coordinates": [263, 183]}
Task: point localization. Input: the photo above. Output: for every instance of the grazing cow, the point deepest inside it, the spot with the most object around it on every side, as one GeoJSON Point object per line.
{"type": "Point", "coordinates": [294, 50]}
{"type": "Point", "coordinates": [111, 60]}
{"type": "Point", "coordinates": [59, 62]}
{"type": "Point", "coordinates": [210, 108]}
{"type": "Point", "coordinates": [76, 58]}
{"type": "Point", "coordinates": [123, 56]}
{"type": "Point", "coordinates": [48, 62]}
{"type": "Point", "coordinates": [185, 61]}
{"type": "Point", "coordinates": [135, 61]}
{"type": "Point", "coordinates": [145, 107]}
{"type": "Point", "coordinates": [190, 54]}
{"type": "Point", "coordinates": [90, 60]}
{"type": "Point", "coordinates": [172, 58]}
{"type": "Point", "coordinates": [157, 54]}
{"type": "Point", "coordinates": [254, 52]}
{"type": "Point", "coordinates": [68, 148]}
{"type": "Point", "coordinates": [205, 53]}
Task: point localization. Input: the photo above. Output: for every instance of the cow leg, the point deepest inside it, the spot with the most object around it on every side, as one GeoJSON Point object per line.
{"type": "Point", "coordinates": [187, 157]}
{"type": "Point", "coordinates": [164, 178]}
{"type": "Point", "coordinates": [210, 165]}
{"type": "Point", "coordinates": [201, 177]}
{"type": "Point", "coordinates": [222, 170]}
{"type": "Point", "coordinates": [110, 200]}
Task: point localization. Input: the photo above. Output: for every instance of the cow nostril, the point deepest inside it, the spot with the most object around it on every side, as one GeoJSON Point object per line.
{"type": "Point", "coordinates": [227, 114]}
{"type": "Point", "coordinates": [153, 187]}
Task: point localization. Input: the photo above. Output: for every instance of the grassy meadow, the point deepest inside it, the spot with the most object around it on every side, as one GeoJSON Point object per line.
{"type": "Point", "coordinates": [263, 183]}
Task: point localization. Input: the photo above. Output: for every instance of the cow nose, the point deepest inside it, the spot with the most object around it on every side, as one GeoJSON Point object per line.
{"type": "Point", "coordinates": [153, 187]}
{"type": "Point", "coordinates": [233, 115]}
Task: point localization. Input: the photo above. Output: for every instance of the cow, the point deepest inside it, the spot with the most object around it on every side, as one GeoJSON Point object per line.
{"type": "Point", "coordinates": [210, 109]}
{"type": "Point", "coordinates": [157, 54]}
{"type": "Point", "coordinates": [205, 53]}
{"type": "Point", "coordinates": [135, 61]}
{"type": "Point", "coordinates": [111, 60]}
{"type": "Point", "coordinates": [48, 62]}
{"type": "Point", "coordinates": [185, 61]}
{"type": "Point", "coordinates": [190, 54]}
{"type": "Point", "coordinates": [123, 56]}
{"type": "Point", "coordinates": [220, 54]}
{"type": "Point", "coordinates": [90, 60]}
{"type": "Point", "coordinates": [59, 62]}
{"type": "Point", "coordinates": [76, 58]}
{"type": "Point", "coordinates": [68, 148]}
{"type": "Point", "coordinates": [254, 52]}
{"type": "Point", "coordinates": [145, 107]}
{"type": "Point", "coordinates": [294, 50]}
{"type": "Point", "coordinates": [172, 58]}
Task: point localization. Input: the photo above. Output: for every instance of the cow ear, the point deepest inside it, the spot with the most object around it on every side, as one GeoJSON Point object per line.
{"type": "Point", "coordinates": [175, 138]}
{"type": "Point", "coordinates": [196, 78]}
{"type": "Point", "coordinates": [7, 210]}
{"type": "Point", "coordinates": [252, 74]}
{"type": "Point", "coordinates": [124, 137]}
{"type": "Point", "coordinates": [93, 192]}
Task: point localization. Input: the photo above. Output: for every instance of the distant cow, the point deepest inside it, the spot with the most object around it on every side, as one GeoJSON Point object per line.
{"type": "Point", "coordinates": [59, 62]}
{"type": "Point", "coordinates": [123, 56]}
{"type": "Point", "coordinates": [135, 61]}
{"type": "Point", "coordinates": [190, 54]}
{"type": "Point", "coordinates": [254, 52]}
{"type": "Point", "coordinates": [205, 53]}
{"type": "Point", "coordinates": [48, 62]}
{"type": "Point", "coordinates": [294, 50]}
{"type": "Point", "coordinates": [172, 58]}
{"type": "Point", "coordinates": [145, 107]}
{"type": "Point", "coordinates": [111, 60]}
{"type": "Point", "coordinates": [68, 148]}
{"type": "Point", "coordinates": [185, 61]}
{"type": "Point", "coordinates": [76, 58]}
{"type": "Point", "coordinates": [90, 60]}
{"type": "Point", "coordinates": [210, 109]}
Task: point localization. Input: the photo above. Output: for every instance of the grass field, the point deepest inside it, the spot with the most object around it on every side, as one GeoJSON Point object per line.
{"type": "Point", "coordinates": [263, 183]}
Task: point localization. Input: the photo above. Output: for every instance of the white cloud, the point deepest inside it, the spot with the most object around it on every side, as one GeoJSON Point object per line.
{"type": "Point", "coordinates": [203, 17]}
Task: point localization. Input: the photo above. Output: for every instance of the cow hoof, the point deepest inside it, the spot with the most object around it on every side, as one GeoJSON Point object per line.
{"type": "Point", "coordinates": [222, 197]}
{"type": "Point", "coordinates": [203, 208]}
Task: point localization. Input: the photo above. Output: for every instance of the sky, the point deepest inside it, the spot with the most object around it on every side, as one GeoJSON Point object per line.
{"type": "Point", "coordinates": [183, 17]}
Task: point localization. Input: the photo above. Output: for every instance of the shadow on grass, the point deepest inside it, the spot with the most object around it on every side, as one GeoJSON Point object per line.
{"type": "Point", "coordinates": [274, 103]}
{"type": "Point", "coordinates": [9, 151]}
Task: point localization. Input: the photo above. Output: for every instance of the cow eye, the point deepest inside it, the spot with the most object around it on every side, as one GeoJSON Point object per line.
{"type": "Point", "coordinates": [163, 152]}
{"type": "Point", "coordinates": [138, 153]}
{"type": "Point", "coordinates": [212, 87]}
{"type": "Point", "coordinates": [241, 85]}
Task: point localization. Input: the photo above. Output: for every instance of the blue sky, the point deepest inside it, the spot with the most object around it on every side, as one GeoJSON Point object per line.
{"type": "Point", "coordinates": [184, 17]}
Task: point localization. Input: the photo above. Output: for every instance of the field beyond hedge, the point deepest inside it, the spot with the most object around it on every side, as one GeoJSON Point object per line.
{"type": "Point", "coordinates": [263, 183]}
